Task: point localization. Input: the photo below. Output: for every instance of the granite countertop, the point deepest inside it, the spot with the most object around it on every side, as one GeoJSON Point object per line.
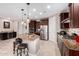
{"type": "Point", "coordinates": [28, 37]}
{"type": "Point", "coordinates": [71, 44]}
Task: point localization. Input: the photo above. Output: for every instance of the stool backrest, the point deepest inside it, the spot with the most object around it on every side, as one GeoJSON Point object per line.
{"type": "Point", "coordinates": [18, 40]}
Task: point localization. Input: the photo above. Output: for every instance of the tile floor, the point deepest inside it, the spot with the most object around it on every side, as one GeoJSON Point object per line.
{"type": "Point", "coordinates": [47, 48]}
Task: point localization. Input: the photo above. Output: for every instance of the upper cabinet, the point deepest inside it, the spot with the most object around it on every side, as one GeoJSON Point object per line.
{"type": "Point", "coordinates": [64, 17]}
{"type": "Point", "coordinates": [44, 21]}
{"type": "Point", "coordinates": [32, 26]}
{"type": "Point", "coordinates": [74, 15]}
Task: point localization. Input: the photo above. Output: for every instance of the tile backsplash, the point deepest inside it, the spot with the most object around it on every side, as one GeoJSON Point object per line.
{"type": "Point", "coordinates": [74, 30]}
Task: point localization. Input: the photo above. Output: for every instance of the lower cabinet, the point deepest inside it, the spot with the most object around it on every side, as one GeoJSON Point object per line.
{"type": "Point", "coordinates": [64, 50]}
{"type": "Point", "coordinates": [69, 52]}
{"type": "Point", "coordinates": [4, 36]}
{"type": "Point", "coordinates": [14, 34]}
{"type": "Point", "coordinates": [73, 53]}
{"type": "Point", "coordinates": [7, 35]}
{"type": "Point", "coordinates": [60, 45]}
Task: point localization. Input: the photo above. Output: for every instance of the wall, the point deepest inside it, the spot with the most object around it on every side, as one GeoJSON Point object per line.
{"type": "Point", "coordinates": [2, 26]}
{"type": "Point", "coordinates": [14, 26]}
{"type": "Point", "coordinates": [54, 27]}
{"type": "Point", "coordinates": [21, 28]}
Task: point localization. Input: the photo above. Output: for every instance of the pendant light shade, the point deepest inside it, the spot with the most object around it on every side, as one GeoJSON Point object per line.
{"type": "Point", "coordinates": [25, 23]}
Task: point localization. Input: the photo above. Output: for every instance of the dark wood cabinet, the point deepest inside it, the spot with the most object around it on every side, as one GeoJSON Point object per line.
{"type": "Point", "coordinates": [64, 15]}
{"type": "Point", "coordinates": [7, 35]}
{"type": "Point", "coordinates": [64, 50]}
{"type": "Point", "coordinates": [63, 18]}
{"type": "Point", "coordinates": [37, 24]}
{"type": "Point", "coordinates": [74, 15]}
{"type": "Point", "coordinates": [64, 25]}
{"type": "Point", "coordinates": [32, 26]}
{"type": "Point", "coordinates": [69, 52]}
{"type": "Point", "coordinates": [44, 21]}
{"type": "Point", "coordinates": [14, 34]}
{"type": "Point", "coordinates": [4, 36]}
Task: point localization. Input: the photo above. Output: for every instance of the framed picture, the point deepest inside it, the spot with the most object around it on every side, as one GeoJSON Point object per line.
{"type": "Point", "coordinates": [6, 24]}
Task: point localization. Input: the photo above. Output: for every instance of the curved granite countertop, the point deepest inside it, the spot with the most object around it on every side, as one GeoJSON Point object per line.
{"type": "Point", "coordinates": [71, 44]}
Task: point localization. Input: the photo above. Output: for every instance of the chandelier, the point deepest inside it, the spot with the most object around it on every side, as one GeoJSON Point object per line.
{"type": "Point", "coordinates": [27, 19]}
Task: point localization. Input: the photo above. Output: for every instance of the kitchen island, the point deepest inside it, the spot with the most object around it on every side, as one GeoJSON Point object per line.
{"type": "Point", "coordinates": [68, 47]}
{"type": "Point", "coordinates": [33, 42]}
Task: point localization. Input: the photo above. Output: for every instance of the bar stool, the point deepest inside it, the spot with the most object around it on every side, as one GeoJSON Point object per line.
{"type": "Point", "coordinates": [18, 47]}
{"type": "Point", "coordinates": [22, 49]}
{"type": "Point", "coordinates": [17, 42]}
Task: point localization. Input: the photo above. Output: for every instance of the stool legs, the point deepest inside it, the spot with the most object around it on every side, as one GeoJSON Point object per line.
{"type": "Point", "coordinates": [21, 52]}
{"type": "Point", "coordinates": [24, 51]}
{"type": "Point", "coordinates": [27, 52]}
{"type": "Point", "coordinates": [17, 52]}
{"type": "Point", "coordinates": [13, 47]}
{"type": "Point", "coordinates": [19, 49]}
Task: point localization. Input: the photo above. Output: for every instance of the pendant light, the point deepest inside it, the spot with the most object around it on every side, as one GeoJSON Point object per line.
{"type": "Point", "coordinates": [28, 19]}
{"type": "Point", "coordinates": [22, 16]}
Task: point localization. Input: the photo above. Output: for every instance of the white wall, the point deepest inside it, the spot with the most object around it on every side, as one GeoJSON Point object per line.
{"type": "Point", "coordinates": [22, 29]}
{"type": "Point", "coordinates": [2, 26]}
{"type": "Point", "coordinates": [14, 26]}
{"type": "Point", "coordinates": [54, 27]}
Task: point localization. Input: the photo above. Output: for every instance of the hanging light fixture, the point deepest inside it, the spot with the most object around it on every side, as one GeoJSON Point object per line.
{"type": "Point", "coordinates": [22, 16]}
{"type": "Point", "coordinates": [28, 19]}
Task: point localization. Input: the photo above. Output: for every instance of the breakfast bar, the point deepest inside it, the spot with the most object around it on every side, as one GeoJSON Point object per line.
{"type": "Point", "coordinates": [67, 46]}
{"type": "Point", "coordinates": [33, 42]}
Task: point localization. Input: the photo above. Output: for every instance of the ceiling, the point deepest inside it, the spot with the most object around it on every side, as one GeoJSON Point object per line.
{"type": "Point", "coordinates": [13, 10]}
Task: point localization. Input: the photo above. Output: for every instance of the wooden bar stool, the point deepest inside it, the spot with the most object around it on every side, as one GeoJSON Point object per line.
{"type": "Point", "coordinates": [17, 42]}
{"type": "Point", "coordinates": [22, 49]}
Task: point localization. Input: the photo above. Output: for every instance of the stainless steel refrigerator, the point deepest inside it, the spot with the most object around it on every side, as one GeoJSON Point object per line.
{"type": "Point", "coordinates": [44, 32]}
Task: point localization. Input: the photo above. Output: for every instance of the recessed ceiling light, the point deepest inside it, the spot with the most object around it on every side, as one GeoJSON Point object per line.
{"type": "Point", "coordinates": [22, 22]}
{"type": "Point", "coordinates": [29, 14]}
{"type": "Point", "coordinates": [40, 13]}
{"type": "Point", "coordinates": [34, 9]}
{"type": "Point", "coordinates": [48, 6]}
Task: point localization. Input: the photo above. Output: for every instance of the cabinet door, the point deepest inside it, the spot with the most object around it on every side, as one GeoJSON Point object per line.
{"type": "Point", "coordinates": [66, 25]}
{"type": "Point", "coordinates": [71, 15]}
{"type": "Point", "coordinates": [62, 25]}
{"type": "Point", "coordinates": [74, 15]}
{"type": "Point", "coordinates": [61, 16]}
{"type": "Point", "coordinates": [32, 26]}
{"type": "Point", "coordinates": [65, 50]}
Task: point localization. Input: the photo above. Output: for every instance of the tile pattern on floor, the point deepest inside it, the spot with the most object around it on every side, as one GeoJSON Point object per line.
{"type": "Point", "coordinates": [47, 48]}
